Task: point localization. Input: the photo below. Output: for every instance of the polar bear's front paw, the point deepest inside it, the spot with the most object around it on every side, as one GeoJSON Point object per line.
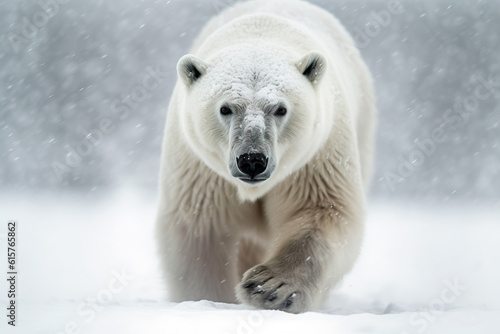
{"type": "Point", "coordinates": [264, 288]}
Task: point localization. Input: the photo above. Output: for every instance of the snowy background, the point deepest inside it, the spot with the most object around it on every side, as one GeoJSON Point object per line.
{"type": "Point", "coordinates": [434, 213]}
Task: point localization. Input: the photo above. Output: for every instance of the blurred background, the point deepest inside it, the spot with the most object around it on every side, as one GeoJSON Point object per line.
{"type": "Point", "coordinates": [84, 90]}
{"type": "Point", "coordinates": [85, 87]}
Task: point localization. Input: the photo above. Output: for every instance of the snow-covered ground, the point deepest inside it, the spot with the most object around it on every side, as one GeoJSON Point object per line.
{"type": "Point", "coordinates": [87, 264]}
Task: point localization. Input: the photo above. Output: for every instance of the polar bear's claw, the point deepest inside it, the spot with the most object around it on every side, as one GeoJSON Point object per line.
{"type": "Point", "coordinates": [263, 289]}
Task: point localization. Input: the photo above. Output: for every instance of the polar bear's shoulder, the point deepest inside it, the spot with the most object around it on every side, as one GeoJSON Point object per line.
{"type": "Point", "coordinates": [299, 22]}
{"type": "Point", "coordinates": [258, 28]}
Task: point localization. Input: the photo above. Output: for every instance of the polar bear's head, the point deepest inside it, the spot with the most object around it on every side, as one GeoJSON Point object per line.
{"type": "Point", "coordinates": [253, 116]}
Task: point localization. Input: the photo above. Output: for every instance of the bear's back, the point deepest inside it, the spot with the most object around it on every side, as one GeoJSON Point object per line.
{"type": "Point", "coordinates": [299, 27]}
{"type": "Point", "coordinates": [294, 24]}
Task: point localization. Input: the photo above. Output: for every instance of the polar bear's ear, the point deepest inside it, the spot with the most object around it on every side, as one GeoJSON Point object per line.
{"type": "Point", "coordinates": [190, 68]}
{"type": "Point", "coordinates": [312, 66]}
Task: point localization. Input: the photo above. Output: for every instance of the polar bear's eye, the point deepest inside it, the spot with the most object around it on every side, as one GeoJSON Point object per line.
{"type": "Point", "coordinates": [225, 111]}
{"type": "Point", "coordinates": [281, 111]}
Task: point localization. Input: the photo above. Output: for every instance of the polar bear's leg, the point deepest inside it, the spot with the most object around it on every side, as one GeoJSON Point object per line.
{"type": "Point", "coordinates": [250, 253]}
{"type": "Point", "coordinates": [199, 263]}
{"type": "Point", "coordinates": [315, 253]}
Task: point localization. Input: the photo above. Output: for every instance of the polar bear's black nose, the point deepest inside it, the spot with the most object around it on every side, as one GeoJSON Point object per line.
{"type": "Point", "coordinates": [252, 164]}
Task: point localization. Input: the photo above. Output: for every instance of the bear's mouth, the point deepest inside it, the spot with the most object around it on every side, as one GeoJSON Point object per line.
{"type": "Point", "coordinates": [252, 180]}
{"type": "Point", "coordinates": [252, 169]}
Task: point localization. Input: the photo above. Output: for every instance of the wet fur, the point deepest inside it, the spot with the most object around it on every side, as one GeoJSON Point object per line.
{"type": "Point", "coordinates": [283, 246]}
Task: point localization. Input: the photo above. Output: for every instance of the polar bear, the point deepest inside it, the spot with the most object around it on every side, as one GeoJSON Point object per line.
{"type": "Point", "coordinates": [266, 158]}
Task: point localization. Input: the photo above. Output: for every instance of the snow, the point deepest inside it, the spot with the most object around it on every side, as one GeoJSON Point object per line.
{"type": "Point", "coordinates": [84, 70]}
{"type": "Point", "coordinates": [254, 121]}
{"type": "Point", "coordinates": [248, 74]}
{"type": "Point", "coordinates": [422, 270]}
{"type": "Point", "coordinates": [92, 56]}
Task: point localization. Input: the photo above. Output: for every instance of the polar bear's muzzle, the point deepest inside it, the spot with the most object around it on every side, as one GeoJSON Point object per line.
{"type": "Point", "coordinates": [252, 159]}
{"type": "Point", "coordinates": [252, 168]}
{"type": "Point", "coordinates": [252, 165]}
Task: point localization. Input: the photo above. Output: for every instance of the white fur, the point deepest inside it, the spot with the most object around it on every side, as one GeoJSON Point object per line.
{"type": "Point", "coordinates": [303, 226]}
